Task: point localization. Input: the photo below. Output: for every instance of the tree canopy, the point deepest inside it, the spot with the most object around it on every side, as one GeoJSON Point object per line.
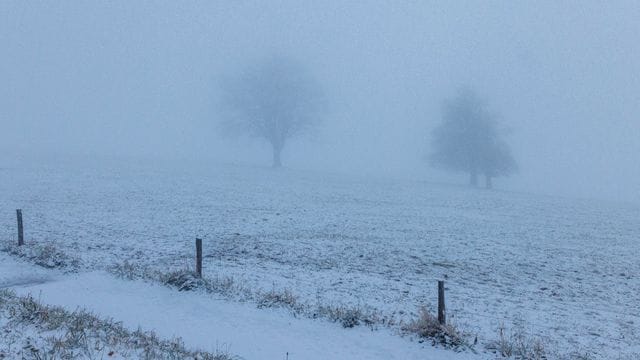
{"type": "Point", "coordinates": [469, 140]}
{"type": "Point", "coordinates": [276, 100]}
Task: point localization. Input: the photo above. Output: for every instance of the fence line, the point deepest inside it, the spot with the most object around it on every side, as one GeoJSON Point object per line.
{"type": "Point", "coordinates": [562, 305]}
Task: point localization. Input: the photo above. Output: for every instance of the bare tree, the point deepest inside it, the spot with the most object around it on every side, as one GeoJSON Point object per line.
{"type": "Point", "coordinates": [469, 140]}
{"type": "Point", "coordinates": [276, 100]}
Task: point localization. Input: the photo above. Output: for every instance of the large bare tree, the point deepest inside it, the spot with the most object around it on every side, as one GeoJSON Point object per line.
{"type": "Point", "coordinates": [469, 139]}
{"type": "Point", "coordinates": [274, 100]}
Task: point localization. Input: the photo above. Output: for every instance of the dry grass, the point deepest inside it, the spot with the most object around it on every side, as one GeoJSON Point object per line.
{"type": "Point", "coordinates": [35, 331]}
{"type": "Point", "coordinates": [518, 345]}
{"type": "Point", "coordinates": [187, 280]}
{"type": "Point", "coordinates": [279, 298]}
{"type": "Point", "coordinates": [46, 255]}
{"type": "Point", "coordinates": [426, 326]}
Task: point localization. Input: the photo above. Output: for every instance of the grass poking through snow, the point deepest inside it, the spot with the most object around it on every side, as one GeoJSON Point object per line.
{"type": "Point", "coordinates": [32, 330]}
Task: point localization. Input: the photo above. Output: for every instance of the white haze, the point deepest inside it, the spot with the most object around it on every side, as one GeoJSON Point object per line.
{"type": "Point", "coordinates": [140, 80]}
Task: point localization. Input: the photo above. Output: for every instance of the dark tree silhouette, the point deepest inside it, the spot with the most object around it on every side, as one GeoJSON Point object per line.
{"type": "Point", "coordinates": [276, 100]}
{"type": "Point", "coordinates": [469, 140]}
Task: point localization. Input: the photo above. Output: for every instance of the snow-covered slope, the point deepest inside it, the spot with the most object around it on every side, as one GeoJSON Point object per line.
{"type": "Point", "coordinates": [218, 325]}
{"type": "Point", "coordinates": [562, 269]}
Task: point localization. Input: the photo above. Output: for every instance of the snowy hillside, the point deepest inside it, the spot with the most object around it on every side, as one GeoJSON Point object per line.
{"type": "Point", "coordinates": [562, 270]}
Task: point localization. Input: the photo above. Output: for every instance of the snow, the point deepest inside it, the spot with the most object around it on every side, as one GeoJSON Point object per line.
{"type": "Point", "coordinates": [563, 269]}
{"type": "Point", "coordinates": [15, 272]}
{"type": "Point", "coordinates": [215, 324]}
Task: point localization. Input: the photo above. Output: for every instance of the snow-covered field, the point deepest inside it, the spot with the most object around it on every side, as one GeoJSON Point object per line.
{"type": "Point", "coordinates": [562, 269]}
{"type": "Point", "coordinates": [209, 324]}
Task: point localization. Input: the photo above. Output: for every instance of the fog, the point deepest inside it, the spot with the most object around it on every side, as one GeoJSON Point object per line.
{"type": "Point", "coordinates": [141, 80]}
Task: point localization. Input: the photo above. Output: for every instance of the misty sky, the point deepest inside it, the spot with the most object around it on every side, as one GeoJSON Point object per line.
{"type": "Point", "coordinates": [141, 79]}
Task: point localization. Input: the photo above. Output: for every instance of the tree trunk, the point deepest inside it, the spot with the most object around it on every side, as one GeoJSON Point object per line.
{"type": "Point", "coordinates": [277, 163]}
{"type": "Point", "coordinates": [489, 182]}
{"type": "Point", "coordinates": [473, 178]}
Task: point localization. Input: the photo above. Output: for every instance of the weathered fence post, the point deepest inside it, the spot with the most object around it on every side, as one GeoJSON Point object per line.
{"type": "Point", "coordinates": [20, 228]}
{"type": "Point", "coordinates": [199, 257]}
{"type": "Point", "coordinates": [442, 317]}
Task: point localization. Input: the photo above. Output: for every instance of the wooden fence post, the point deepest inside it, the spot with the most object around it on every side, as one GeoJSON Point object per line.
{"type": "Point", "coordinates": [199, 257]}
{"type": "Point", "coordinates": [442, 317]}
{"type": "Point", "coordinates": [20, 228]}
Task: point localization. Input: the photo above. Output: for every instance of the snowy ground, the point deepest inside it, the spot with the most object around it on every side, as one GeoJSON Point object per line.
{"type": "Point", "coordinates": [213, 325]}
{"type": "Point", "coordinates": [562, 269]}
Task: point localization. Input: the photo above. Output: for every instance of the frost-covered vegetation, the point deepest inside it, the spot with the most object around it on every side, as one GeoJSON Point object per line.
{"type": "Point", "coordinates": [426, 326]}
{"type": "Point", "coordinates": [32, 330]}
{"type": "Point", "coordinates": [46, 255]}
{"type": "Point", "coordinates": [230, 288]}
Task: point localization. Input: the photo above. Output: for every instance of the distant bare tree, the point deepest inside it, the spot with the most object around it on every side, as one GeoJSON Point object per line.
{"type": "Point", "coordinates": [469, 140]}
{"type": "Point", "coordinates": [276, 100]}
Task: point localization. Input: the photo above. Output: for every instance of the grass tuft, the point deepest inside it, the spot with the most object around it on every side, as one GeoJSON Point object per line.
{"type": "Point", "coordinates": [426, 326]}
